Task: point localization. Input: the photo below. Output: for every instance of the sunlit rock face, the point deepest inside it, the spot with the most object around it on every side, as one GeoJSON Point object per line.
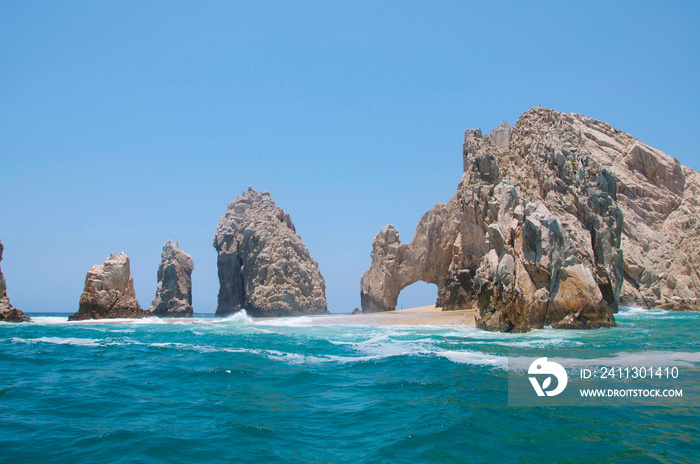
{"type": "Point", "coordinates": [554, 223]}
{"type": "Point", "coordinates": [264, 267]}
{"type": "Point", "coordinates": [109, 292]}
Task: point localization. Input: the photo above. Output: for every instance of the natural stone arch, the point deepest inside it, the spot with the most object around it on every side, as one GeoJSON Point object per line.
{"type": "Point", "coordinates": [437, 255]}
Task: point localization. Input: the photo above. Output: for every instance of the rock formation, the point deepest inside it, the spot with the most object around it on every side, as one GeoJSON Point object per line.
{"type": "Point", "coordinates": [535, 234]}
{"type": "Point", "coordinates": [264, 267]}
{"type": "Point", "coordinates": [174, 291]}
{"type": "Point", "coordinates": [7, 312]}
{"type": "Point", "coordinates": [658, 197]}
{"type": "Point", "coordinates": [109, 292]}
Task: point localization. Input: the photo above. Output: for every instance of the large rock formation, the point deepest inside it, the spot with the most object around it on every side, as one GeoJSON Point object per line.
{"type": "Point", "coordinates": [535, 233]}
{"type": "Point", "coordinates": [7, 312]}
{"type": "Point", "coordinates": [658, 197]}
{"type": "Point", "coordinates": [264, 267]}
{"type": "Point", "coordinates": [109, 292]}
{"type": "Point", "coordinates": [174, 291]}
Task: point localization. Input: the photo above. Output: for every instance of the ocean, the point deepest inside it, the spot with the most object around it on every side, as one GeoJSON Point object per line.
{"type": "Point", "coordinates": [299, 390]}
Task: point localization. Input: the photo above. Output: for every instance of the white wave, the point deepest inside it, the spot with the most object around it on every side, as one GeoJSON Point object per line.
{"type": "Point", "coordinates": [238, 317]}
{"type": "Point", "coordinates": [634, 311]}
{"type": "Point", "coordinates": [202, 348]}
{"type": "Point", "coordinates": [298, 321]}
{"type": "Point", "coordinates": [294, 358]}
{"type": "Point", "coordinates": [352, 359]}
{"type": "Point", "coordinates": [368, 350]}
{"type": "Point", "coordinates": [148, 320]}
{"type": "Point", "coordinates": [120, 320]}
{"type": "Point", "coordinates": [373, 353]}
{"type": "Point", "coordinates": [171, 345]}
{"type": "Point", "coordinates": [340, 342]}
{"type": "Point", "coordinates": [297, 358]}
{"type": "Point", "coordinates": [383, 346]}
{"type": "Point", "coordinates": [46, 320]}
{"type": "Point", "coordinates": [239, 350]}
{"type": "Point", "coordinates": [211, 349]}
{"type": "Point", "coordinates": [537, 343]}
{"type": "Point", "coordinates": [476, 358]}
{"type": "Point", "coordinates": [61, 341]}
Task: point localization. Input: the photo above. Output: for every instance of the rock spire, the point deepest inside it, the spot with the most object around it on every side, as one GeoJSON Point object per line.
{"type": "Point", "coordinates": [174, 291]}
{"type": "Point", "coordinates": [264, 267]}
{"type": "Point", "coordinates": [109, 292]}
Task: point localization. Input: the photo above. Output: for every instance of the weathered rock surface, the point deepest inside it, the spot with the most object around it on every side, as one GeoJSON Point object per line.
{"type": "Point", "coordinates": [174, 291]}
{"type": "Point", "coordinates": [533, 276]}
{"type": "Point", "coordinates": [7, 312]}
{"type": "Point", "coordinates": [658, 197]}
{"type": "Point", "coordinates": [264, 267]}
{"type": "Point", "coordinates": [535, 233]}
{"type": "Point", "coordinates": [109, 292]}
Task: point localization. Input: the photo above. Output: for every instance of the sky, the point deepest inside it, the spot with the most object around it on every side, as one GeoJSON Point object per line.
{"type": "Point", "coordinates": [126, 124]}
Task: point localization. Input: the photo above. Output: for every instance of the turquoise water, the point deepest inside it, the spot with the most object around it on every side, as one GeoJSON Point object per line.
{"type": "Point", "coordinates": [302, 391]}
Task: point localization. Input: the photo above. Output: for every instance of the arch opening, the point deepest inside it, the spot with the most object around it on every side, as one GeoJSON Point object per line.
{"type": "Point", "coordinates": [416, 295]}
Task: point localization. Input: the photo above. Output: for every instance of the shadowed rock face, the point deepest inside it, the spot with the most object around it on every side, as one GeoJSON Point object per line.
{"type": "Point", "coordinates": [535, 233]}
{"type": "Point", "coordinates": [174, 292]}
{"type": "Point", "coordinates": [7, 312]}
{"type": "Point", "coordinates": [109, 292]}
{"type": "Point", "coordinates": [264, 267]}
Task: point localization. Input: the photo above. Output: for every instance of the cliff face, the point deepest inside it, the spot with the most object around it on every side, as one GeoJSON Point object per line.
{"type": "Point", "coordinates": [174, 291]}
{"type": "Point", "coordinates": [264, 267]}
{"type": "Point", "coordinates": [539, 226]}
{"type": "Point", "coordinates": [109, 292]}
{"type": "Point", "coordinates": [658, 197]}
{"type": "Point", "coordinates": [7, 312]}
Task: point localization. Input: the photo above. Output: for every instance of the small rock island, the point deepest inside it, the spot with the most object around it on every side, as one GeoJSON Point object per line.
{"type": "Point", "coordinates": [264, 267]}
{"type": "Point", "coordinates": [109, 292]}
{"type": "Point", "coordinates": [174, 292]}
{"type": "Point", "coordinates": [7, 312]}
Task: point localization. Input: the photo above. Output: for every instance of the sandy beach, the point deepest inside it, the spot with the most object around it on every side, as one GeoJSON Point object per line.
{"type": "Point", "coordinates": [423, 315]}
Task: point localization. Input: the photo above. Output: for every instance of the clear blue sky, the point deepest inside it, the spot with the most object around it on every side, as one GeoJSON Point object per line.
{"type": "Point", "coordinates": [125, 124]}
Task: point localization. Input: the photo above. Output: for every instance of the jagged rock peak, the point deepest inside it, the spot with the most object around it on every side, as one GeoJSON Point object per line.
{"type": "Point", "coordinates": [109, 292]}
{"type": "Point", "coordinates": [7, 312]}
{"type": "Point", "coordinates": [658, 197]}
{"type": "Point", "coordinates": [264, 267]}
{"type": "Point", "coordinates": [535, 233]}
{"type": "Point", "coordinates": [174, 292]}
